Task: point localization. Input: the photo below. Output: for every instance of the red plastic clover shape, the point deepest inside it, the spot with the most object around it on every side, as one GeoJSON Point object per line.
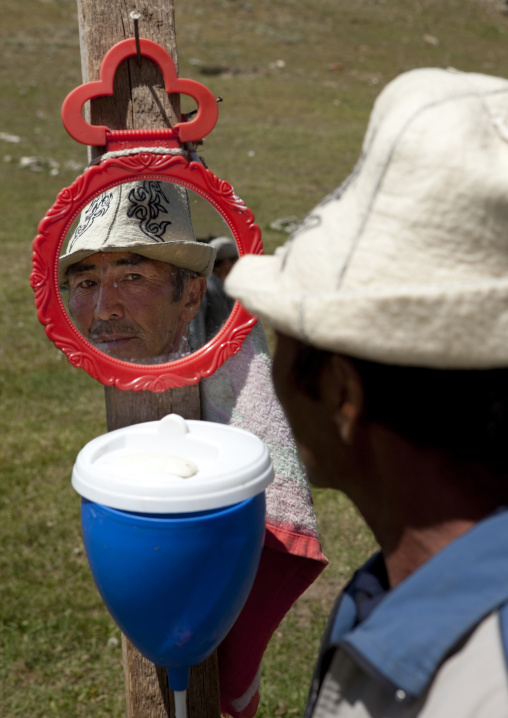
{"type": "Point", "coordinates": [200, 126]}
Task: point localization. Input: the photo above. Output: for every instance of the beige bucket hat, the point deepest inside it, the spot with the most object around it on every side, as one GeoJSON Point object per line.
{"type": "Point", "coordinates": [146, 217]}
{"type": "Point", "coordinates": [407, 261]}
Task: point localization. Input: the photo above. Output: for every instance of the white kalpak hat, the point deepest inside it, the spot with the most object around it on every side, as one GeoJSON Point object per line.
{"type": "Point", "coordinates": [146, 217]}
{"type": "Point", "coordinates": [407, 262]}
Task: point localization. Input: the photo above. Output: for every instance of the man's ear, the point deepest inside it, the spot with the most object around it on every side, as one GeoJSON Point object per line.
{"type": "Point", "coordinates": [193, 296]}
{"type": "Point", "coordinates": [346, 394]}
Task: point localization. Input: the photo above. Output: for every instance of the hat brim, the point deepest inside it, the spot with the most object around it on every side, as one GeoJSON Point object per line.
{"type": "Point", "coordinates": [410, 326]}
{"type": "Point", "coordinates": [195, 256]}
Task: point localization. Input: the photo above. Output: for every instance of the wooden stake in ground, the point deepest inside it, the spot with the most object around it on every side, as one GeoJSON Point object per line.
{"type": "Point", "coordinates": [140, 102]}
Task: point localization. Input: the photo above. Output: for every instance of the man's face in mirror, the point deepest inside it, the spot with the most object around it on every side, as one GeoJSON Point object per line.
{"type": "Point", "coordinates": [133, 307]}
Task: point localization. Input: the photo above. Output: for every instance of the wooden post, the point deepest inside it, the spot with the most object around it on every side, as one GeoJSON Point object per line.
{"type": "Point", "coordinates": [140, 101]}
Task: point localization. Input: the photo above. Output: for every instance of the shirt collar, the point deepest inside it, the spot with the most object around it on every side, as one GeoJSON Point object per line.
{"type": "Point", "coordinates": [413, 627]}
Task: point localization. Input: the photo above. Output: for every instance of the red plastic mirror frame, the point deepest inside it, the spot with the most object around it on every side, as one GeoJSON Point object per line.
{"type": "Point", "coordinates": [47, 246]}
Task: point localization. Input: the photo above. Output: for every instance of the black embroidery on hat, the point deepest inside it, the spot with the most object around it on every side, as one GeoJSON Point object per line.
{"type": "Point", "coordinates": [337, 193]}
{"type": "Point", "coordinates": [97, 208]}
{"type": "Point", "coordinates": [312, 221]}
{"type": "Point", "coordinates": [146, 206]}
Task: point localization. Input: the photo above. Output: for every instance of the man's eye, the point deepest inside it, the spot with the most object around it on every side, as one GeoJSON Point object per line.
{"type": "Point", "coordinates": [86, 284]}
{"type": "Point", "coordinates": [132, 276]}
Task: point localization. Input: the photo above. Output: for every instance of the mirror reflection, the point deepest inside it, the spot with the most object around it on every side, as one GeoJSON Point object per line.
{"type": "Point", "coordinates": [142, 273]}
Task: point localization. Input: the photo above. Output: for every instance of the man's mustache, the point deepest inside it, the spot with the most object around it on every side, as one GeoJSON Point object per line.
{"type": "Point", "coordinates": [109, 327]}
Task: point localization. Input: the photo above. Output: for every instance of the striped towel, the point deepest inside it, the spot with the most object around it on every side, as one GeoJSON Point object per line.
{"type": "Point", "coordinates": [240, 393]}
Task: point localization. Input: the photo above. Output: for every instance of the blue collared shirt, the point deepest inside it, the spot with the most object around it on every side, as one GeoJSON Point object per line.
{"type": "Point", "coordinates": [406, 633]}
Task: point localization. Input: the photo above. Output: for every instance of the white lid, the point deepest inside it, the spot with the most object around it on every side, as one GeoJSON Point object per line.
{"type": "Point", "coordinates": [172, 466]}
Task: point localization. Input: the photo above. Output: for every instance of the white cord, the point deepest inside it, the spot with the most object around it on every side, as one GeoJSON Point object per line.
{"type": "Point", "coordinates": [137, 150]}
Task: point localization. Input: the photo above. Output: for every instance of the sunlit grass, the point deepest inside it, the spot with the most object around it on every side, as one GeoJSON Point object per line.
{"type": "Point", "coordinates": [298, 78]}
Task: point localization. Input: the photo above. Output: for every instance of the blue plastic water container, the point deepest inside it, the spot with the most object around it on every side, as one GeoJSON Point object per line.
{"type": "Point", "coordinates": [174, 540]}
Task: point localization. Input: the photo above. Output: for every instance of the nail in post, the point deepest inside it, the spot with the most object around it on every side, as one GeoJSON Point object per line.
{"type": "Point", "coordinates": [135, 16]}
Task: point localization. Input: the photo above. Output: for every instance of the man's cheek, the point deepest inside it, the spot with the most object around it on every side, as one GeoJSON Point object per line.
{"type": "Point", "coordinates": [311, 464]}
{"type": "Point", "coordinates": [306, 455]}
{"type": "Point", "coordinates": [78, 309]}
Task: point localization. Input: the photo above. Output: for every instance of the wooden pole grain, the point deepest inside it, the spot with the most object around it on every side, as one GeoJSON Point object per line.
{"type": "Point", "coordinates": [140, 102]}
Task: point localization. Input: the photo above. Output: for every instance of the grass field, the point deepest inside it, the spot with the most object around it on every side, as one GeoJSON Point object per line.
{"type": "Point", "coordinates": [298, 78]}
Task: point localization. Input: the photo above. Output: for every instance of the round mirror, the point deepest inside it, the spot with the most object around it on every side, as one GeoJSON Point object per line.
{"type": "Point", "coordinates": [141, 271]}
{"type": "Point", "coordinates": [129, 266]}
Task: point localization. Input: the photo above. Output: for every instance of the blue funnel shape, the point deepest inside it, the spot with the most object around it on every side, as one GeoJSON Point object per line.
{"type": "Point", "coordinates": [175, 584]}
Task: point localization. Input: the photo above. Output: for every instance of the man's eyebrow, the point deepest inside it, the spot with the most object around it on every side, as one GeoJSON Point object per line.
{"type": "Point", "coordinates": [134, 260]}
{"type": "Point", "coordinates": [78, 268]}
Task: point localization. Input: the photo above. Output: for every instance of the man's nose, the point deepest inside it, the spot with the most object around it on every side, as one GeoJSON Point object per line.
{"type": "Point", "coordinates": [108, 304]}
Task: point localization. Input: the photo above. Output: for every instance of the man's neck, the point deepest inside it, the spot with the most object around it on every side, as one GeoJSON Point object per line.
{"type": "Point", "coordinates": [418, 503]}
{"type": "Point", "coordinates": [417, 545]}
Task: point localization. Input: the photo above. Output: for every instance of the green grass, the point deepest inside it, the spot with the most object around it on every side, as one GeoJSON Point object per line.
{"type": "Point", "coordinates": [298, 78]}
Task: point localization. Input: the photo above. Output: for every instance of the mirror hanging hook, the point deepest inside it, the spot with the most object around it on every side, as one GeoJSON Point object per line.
{"type": "Point", "coordinates": [135, 16]}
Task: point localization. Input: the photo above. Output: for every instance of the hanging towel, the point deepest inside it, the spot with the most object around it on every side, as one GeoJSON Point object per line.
{"type": "Point", "coordinates": [240, 393]}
